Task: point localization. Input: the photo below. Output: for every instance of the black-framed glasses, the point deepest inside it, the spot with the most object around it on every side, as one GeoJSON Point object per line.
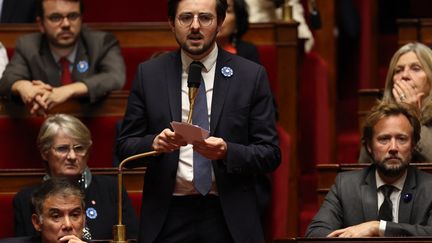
{"type": "Point", "coordinates": [57, 18]}
{"type": "Point", "coordinates": [186, 19]}
{"type": "Point", "coordinates": [65, 149]}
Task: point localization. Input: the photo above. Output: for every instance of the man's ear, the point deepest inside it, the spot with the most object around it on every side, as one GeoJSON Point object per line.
{"type": "Point", "coordinates": [36, 222]}
{"type": "Point", "coordinates": [369, 149]}
{"type": "Point", "coordinates": [39, 22]}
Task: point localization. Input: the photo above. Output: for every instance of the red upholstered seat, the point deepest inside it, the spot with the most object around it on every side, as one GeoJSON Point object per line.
{"type": "Point", "coordinates": [6, 212]}
{"type": "Point", "coordinates": [279, 204]}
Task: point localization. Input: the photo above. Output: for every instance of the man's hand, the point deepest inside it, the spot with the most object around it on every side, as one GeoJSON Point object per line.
{"type": "Point", "coordinates": [71, 239]}
{"type": "Point", "coordinates": [367, 229]}
{"type": "Point", "coordinates": [29, 90]}
{"type": "Point", "coordinates": [168, 141]}
{"type": "Point", "coordinates": [212, 148]}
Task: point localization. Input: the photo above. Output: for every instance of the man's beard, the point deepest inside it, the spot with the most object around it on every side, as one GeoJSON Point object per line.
{"type": "Point", "coordinates": [393, 170]}
{"type": "Point", "coordinates": [197, 52]}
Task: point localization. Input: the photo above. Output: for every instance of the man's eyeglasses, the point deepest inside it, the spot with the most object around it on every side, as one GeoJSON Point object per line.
{"type": "Point", "coordinates": [58, 18]}
{"type": "Point", "coordinates": [64, 150]}
{"type": "Point", "coordinates": [205, 19]}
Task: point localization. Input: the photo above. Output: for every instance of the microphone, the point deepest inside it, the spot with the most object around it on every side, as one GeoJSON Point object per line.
{"type": "Point", "coordinates": [119, 230]}
{"type": "Point", "coordinates": [193, 82]}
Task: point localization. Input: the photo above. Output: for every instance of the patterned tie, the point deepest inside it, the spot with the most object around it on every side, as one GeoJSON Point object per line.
{"type": "Point", "coordinates": [201, 165]}
{"type": "Point", "coordinates": [66, 77]}
{"type": "Point", "coordinates": [386, 209]}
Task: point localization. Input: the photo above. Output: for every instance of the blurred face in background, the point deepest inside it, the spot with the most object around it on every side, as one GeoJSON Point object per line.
{"type": "Point", "coordinates": [66, 157]}
{"type": "Point", "coordinates": [410, 71]}
{"type": "Point", "coordinates": [229, 25]}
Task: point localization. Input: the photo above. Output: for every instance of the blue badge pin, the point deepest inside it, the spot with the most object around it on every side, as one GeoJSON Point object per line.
{"type": "Point", "coordinates": [82, 66]}
{"type": "Point", "coordinates": [91, 213]}
{"type": "Point", "coordinates": [227, 72]}
{"type": "Point", "coordinates": [407, 197]}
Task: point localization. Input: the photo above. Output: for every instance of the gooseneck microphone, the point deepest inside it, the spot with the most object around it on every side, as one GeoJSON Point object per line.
{"type": "Point", "coordinates": [193, 82]}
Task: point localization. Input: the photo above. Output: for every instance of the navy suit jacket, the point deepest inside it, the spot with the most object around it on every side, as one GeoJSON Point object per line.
{"type": "Point", "coordinates": [353, 199]}
{"type": "Point", "coordinates": [18, 11]}
{"type": "Point", "coordinates": [242, 114]}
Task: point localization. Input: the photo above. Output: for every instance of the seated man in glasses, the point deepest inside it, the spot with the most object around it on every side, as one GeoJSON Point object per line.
{"type": "Point", "coordinates": [64, 143]}
{"type": "Point", "coordinates": [63, 61]}
{"type": "Point", "coordinates": [59, 213]}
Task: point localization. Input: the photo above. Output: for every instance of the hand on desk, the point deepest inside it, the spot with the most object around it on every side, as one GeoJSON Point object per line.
{"type": "Point", "coordinates": [367, 229]}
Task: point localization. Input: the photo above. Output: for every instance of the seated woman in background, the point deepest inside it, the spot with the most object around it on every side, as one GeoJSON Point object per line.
{"type": "Point", "coordinates": [64, 143]}
{"type": "Point", "coordinates": [409, 80]}
{"type": "Point", "coordinates": [233, 28]}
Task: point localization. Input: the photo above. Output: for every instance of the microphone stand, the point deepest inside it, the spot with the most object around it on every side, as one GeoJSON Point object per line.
{"type": "Point", "coordinates": [119, 230]}
{"type": "Point", "coordinates": [193, 91]}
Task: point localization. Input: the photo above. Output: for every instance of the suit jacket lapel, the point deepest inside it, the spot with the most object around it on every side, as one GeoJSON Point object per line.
{"type": "Point", "coordinates": [405, 208]}
{"type": "Point", "coordinates": [81, 55]}
{"type": "Point", "coordinates": [173, 71]}
{"type": "Point", "coordinates": [220, 88]}
{"type": "Point", "coordinates": [49, 66]}
{"type": "Point", "coordinates": [369, 196]}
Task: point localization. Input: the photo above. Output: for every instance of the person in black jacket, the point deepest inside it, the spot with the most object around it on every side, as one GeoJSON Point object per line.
{"type": "Point", "coordinates": [59, 213]}
{"type": "Point", "coordinates": [233, 28]}
{"type": "Point", "coordinates": [64, 143]}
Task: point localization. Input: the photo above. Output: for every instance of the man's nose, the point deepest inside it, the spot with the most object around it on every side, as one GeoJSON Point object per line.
{"type": "Point", "coordinates": [67, 224]}
{"type": "Point", "coordinates": [393, 146]}
{"type": "Point", "coordinates": [195, 23]}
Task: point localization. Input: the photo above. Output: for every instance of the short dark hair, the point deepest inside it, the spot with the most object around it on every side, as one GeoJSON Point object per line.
{"type": "Point", "coordinates": [40, 10]}
{"type": "Point", "coordinates": [55, 186]}
{"type": "Point", "coordinates": [221, 7]}
{"type": "Point", "coordinates": [242, 17]}
{"type": "Point", "coordinates": [386, 109]}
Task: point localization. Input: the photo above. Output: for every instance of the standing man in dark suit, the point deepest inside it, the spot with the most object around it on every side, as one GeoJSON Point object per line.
{"type": "Point", "coordinates": [242, 142]}
{"type": "Point", "coordinates": [390, 197]}
{"type": "Point", "coordinates": [63, 61]}
{"type": "Point", "coordinates": [18, 11]}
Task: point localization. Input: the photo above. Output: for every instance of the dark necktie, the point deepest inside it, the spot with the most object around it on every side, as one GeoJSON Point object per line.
{"type": "Point", "coordinates": [201, 165]}
{"type": "Point", "coordinates": [66, 77]}
{"type": "Point", "coordinates": [386, 209]}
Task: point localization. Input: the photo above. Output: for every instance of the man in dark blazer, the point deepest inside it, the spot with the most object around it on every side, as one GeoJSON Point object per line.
{"type": "Point", "coordinates": [18, 11]}
{"type": "Point", "coordinates": [59, 213]}
{"type": "Point", "coordinates": [242, 142]}
{"type": "Point", "coordinates": [356, 203]}
{"type": "Point", "coordinates": [94, 62]}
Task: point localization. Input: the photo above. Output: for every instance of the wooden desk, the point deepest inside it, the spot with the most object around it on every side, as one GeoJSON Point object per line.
{"type": "Point", "coordinates": [13, 180]}
{"type": "Point", "coordinates": [412, 30]}
{"type": "Point", "coordinates": [367, 98]}
{"type": "Point", "coordinates": [112, 105]}
{"type": "Point", "coordinates": [327, 174]}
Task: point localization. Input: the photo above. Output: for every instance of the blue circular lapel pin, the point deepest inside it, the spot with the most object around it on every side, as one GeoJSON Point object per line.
{"type": "Point", "coordinates": [91, 213]}
{"type": "Point", "coordinates": [227, 72]}
{"type": "Point", "coordinates": [82, 66]}
{"type": "Point", "coordinates": [407, 197]}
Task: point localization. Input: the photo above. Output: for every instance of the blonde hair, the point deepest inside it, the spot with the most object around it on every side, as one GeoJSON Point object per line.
{"type": "Point", "coordinates": [70, 125]}
{"type": "Point", "coordinates": [424, 54]}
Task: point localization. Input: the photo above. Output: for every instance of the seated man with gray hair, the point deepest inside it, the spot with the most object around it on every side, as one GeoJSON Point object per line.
{"type": "Point", "coordinates": [59, 213]}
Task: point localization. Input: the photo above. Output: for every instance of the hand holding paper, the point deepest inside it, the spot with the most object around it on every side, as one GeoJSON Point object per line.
{"type": "Point", "coordinates": [189, 132]}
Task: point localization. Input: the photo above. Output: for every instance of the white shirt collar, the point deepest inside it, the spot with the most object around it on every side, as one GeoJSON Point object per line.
{"type": "Point", "coordinates": [398, 184]}
{"type": "Point", "coordinates": [208, 61]}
